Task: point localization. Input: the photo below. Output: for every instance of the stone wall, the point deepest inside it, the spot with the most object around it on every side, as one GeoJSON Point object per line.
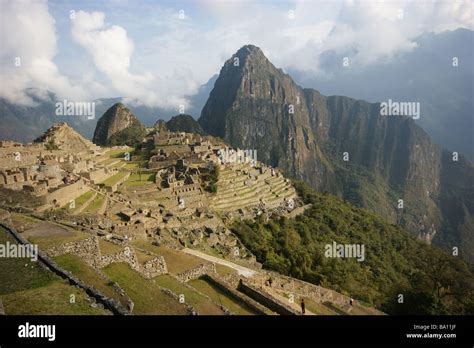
{"type": "Point", "coordinates": [64, 195]}
{"type": "Point", "coordinates": [114, 186]}
{"type": "Point", "coordinates": [196, 272]}
{"type": "Point", "coordinates": [96, 176]}
{"type": "Point", "coordinates": [283, 284]}
{"type": "Point", "coordinates": [249, 302]}
{"type": "Point", "coordinates": [89, 250]}
{"type": "Point", "coordinates": [266, 299]}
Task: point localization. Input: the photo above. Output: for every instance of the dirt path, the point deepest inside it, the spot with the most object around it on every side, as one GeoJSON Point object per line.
{"type": "Point", "coordinates": [244, 271]}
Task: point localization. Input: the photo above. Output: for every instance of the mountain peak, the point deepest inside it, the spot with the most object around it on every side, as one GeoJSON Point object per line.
{"type": "Point", "coordinates": [63, 137]}
{"type": "Point", "coordinates": [118, 126]}
{"type": "Point", "coordinates": [249, 52]}
{"type": "Point", "coordinates": [247, 73]}
{"type": "Point", "coordinates": [250, 49]}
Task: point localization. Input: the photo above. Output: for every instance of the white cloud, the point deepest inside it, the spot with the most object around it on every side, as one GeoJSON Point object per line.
{"type": "Point", "coordinates": [112, 51]}
{"type": "Point", "coordinates": [370, 31]}
{"type": "Point", "coordinates": [149, 54]}
{"type": "Point", "coordinates": [28, 36]}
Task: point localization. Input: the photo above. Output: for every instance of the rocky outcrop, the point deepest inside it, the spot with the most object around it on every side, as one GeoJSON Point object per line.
{"type": "Point", "coordinates": [118, 126]}
{"type": "Point", "coordinates": [62, 137]}
{"type": "Point", "coordinates": [160, 126]}
{"type": "Point", "coordinates": [184, 123]}
{"type": "Point", "coordinates": [345, 147]}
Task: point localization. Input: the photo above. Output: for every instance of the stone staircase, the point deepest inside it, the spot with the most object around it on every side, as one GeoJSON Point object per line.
{"type": "Point", "coordinates": [240, 186]}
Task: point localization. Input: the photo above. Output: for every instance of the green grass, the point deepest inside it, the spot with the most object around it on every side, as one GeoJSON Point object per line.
{"type": "Point", "coordinates": [220, 296]}
{"type": "Point", "coordinates": [14, 276]}
{"type": "Point", "coordinates": [119, 153]}
{"type": "Point", "coordinates": [202, 304]}
{"type": "Point", "coordinates": [132, 165]}
{"type": "Point", "coordinates": [109, 161]}
{"type": "Point", "coordinates": [79, 201]}
{"type": "Point", "coordinates": [107, 248]}
{"type": "Point", "coordinates": [46, 243]}
{"type": "Point", "coordinates": [153, 197]}
{"type": "Point", "coordinates": [95, 205]}
{"type": "Point", "coordinates": [317, 308]}
{"type": "Point", "coordinates": [142, 257]}
{"type": "Point", "coordinates": [147, 296]}
{"type": "Point", "coordinates": [25, 220]}
{"type": "Point", "coordinates": [224, 270]}
{"type": "Point", "coordinates": [176, 261]}
{"type": "Point", "coordinates": [32, 289]}
{"type": "Point", "coordinates": [114, 179]}
{"type": "Point", "coordinates": [134, 179]}
{"type": "Point", "coordinates": [80, 269]}
{"type": "Point", "coordinates": [51, 299]}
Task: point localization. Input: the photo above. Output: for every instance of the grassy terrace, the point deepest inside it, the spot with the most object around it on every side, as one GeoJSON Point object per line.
{"type": "Point", "coordinates": [109, 161]}
{"type": "Point", "coordinates": [152, 196]}
{"type": "Point", "coordinates": [146, 294]}
{"type": "Point", "coordinates": [135, 164]}
{"type": "Point", "coordinates": [317, 308]}
{"type": "Point", "coordinates": [201, 303]}
{"type": "Point", "coordinates": [47, 242]}
{"type": "Point", "coordinates": [114, 179]}
{"type": "Point", "coordinates": [176, 261]}
{"type": "Point", "coordinates": [107, 248]}
{"type": "Point", "coordinates": [14, 276]}
{"type": "Point", "coordinates": [220, 296]}
{"type": "Point", "coordinates": [224, 270]}
{"type": "Point", "coordinates": [50, 299]}
{"type": "Point", "coordinates": [95, 204]}
{"type": "Point", "coordinates": [79, 201]}
{"type": "Point", "coordinates": [27, 288]}
{"type": "Point", "coordinates": [89, 275]}
{"type": "Point", "coordinates": [119, 153]}
{"type": "Point", "coordinates": [134, 179]}
{"type": "Point", "coordinates": [23, 220]}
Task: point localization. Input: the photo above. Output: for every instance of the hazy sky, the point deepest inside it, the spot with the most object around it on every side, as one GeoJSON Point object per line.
{"type": "Point", "coordinates": [161, 51]}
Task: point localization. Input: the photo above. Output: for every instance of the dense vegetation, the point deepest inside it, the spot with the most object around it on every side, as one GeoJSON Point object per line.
{"type": "Point", "coordinates": [184, 123]}
{"type": "Point", "coordinates": [131, 136]}
{"type": "Point", "coordinates": [430, 281]}
{"type": "Point", "coordinates": [343, 146]}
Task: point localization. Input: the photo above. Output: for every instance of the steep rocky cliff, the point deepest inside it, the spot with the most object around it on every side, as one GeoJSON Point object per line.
{"type": "Point", "coordinates": [118, 126]}
{"type": "Point", "coordinates": [344, 146]}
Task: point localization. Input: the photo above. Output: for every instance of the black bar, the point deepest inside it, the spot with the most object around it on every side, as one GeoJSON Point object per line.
{"type": "Point", "coordinates": [262, 330]}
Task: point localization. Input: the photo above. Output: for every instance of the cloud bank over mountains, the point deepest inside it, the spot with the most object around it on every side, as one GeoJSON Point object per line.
{"type": "Point", "coordinates": [159, 54]}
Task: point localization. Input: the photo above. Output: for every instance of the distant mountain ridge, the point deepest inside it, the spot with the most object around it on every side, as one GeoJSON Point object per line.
{"type": "Point", "coordinates": [26, 123]}
{"type": "Point", "coordinates": [343, 146]}
{"type": "Point", "coordinates": [437, 73]}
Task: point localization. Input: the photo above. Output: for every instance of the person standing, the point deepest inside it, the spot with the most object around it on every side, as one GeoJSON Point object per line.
{"type": "Point", "coordinates": [302, 306]}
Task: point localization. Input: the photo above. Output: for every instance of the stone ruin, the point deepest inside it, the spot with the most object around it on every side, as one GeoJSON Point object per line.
{"type": "Point", "coordinates": [88, 250]}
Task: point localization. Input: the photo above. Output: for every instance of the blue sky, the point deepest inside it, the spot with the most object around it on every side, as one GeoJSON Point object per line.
{"type": "Point", "coordinates": [144, 51]}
